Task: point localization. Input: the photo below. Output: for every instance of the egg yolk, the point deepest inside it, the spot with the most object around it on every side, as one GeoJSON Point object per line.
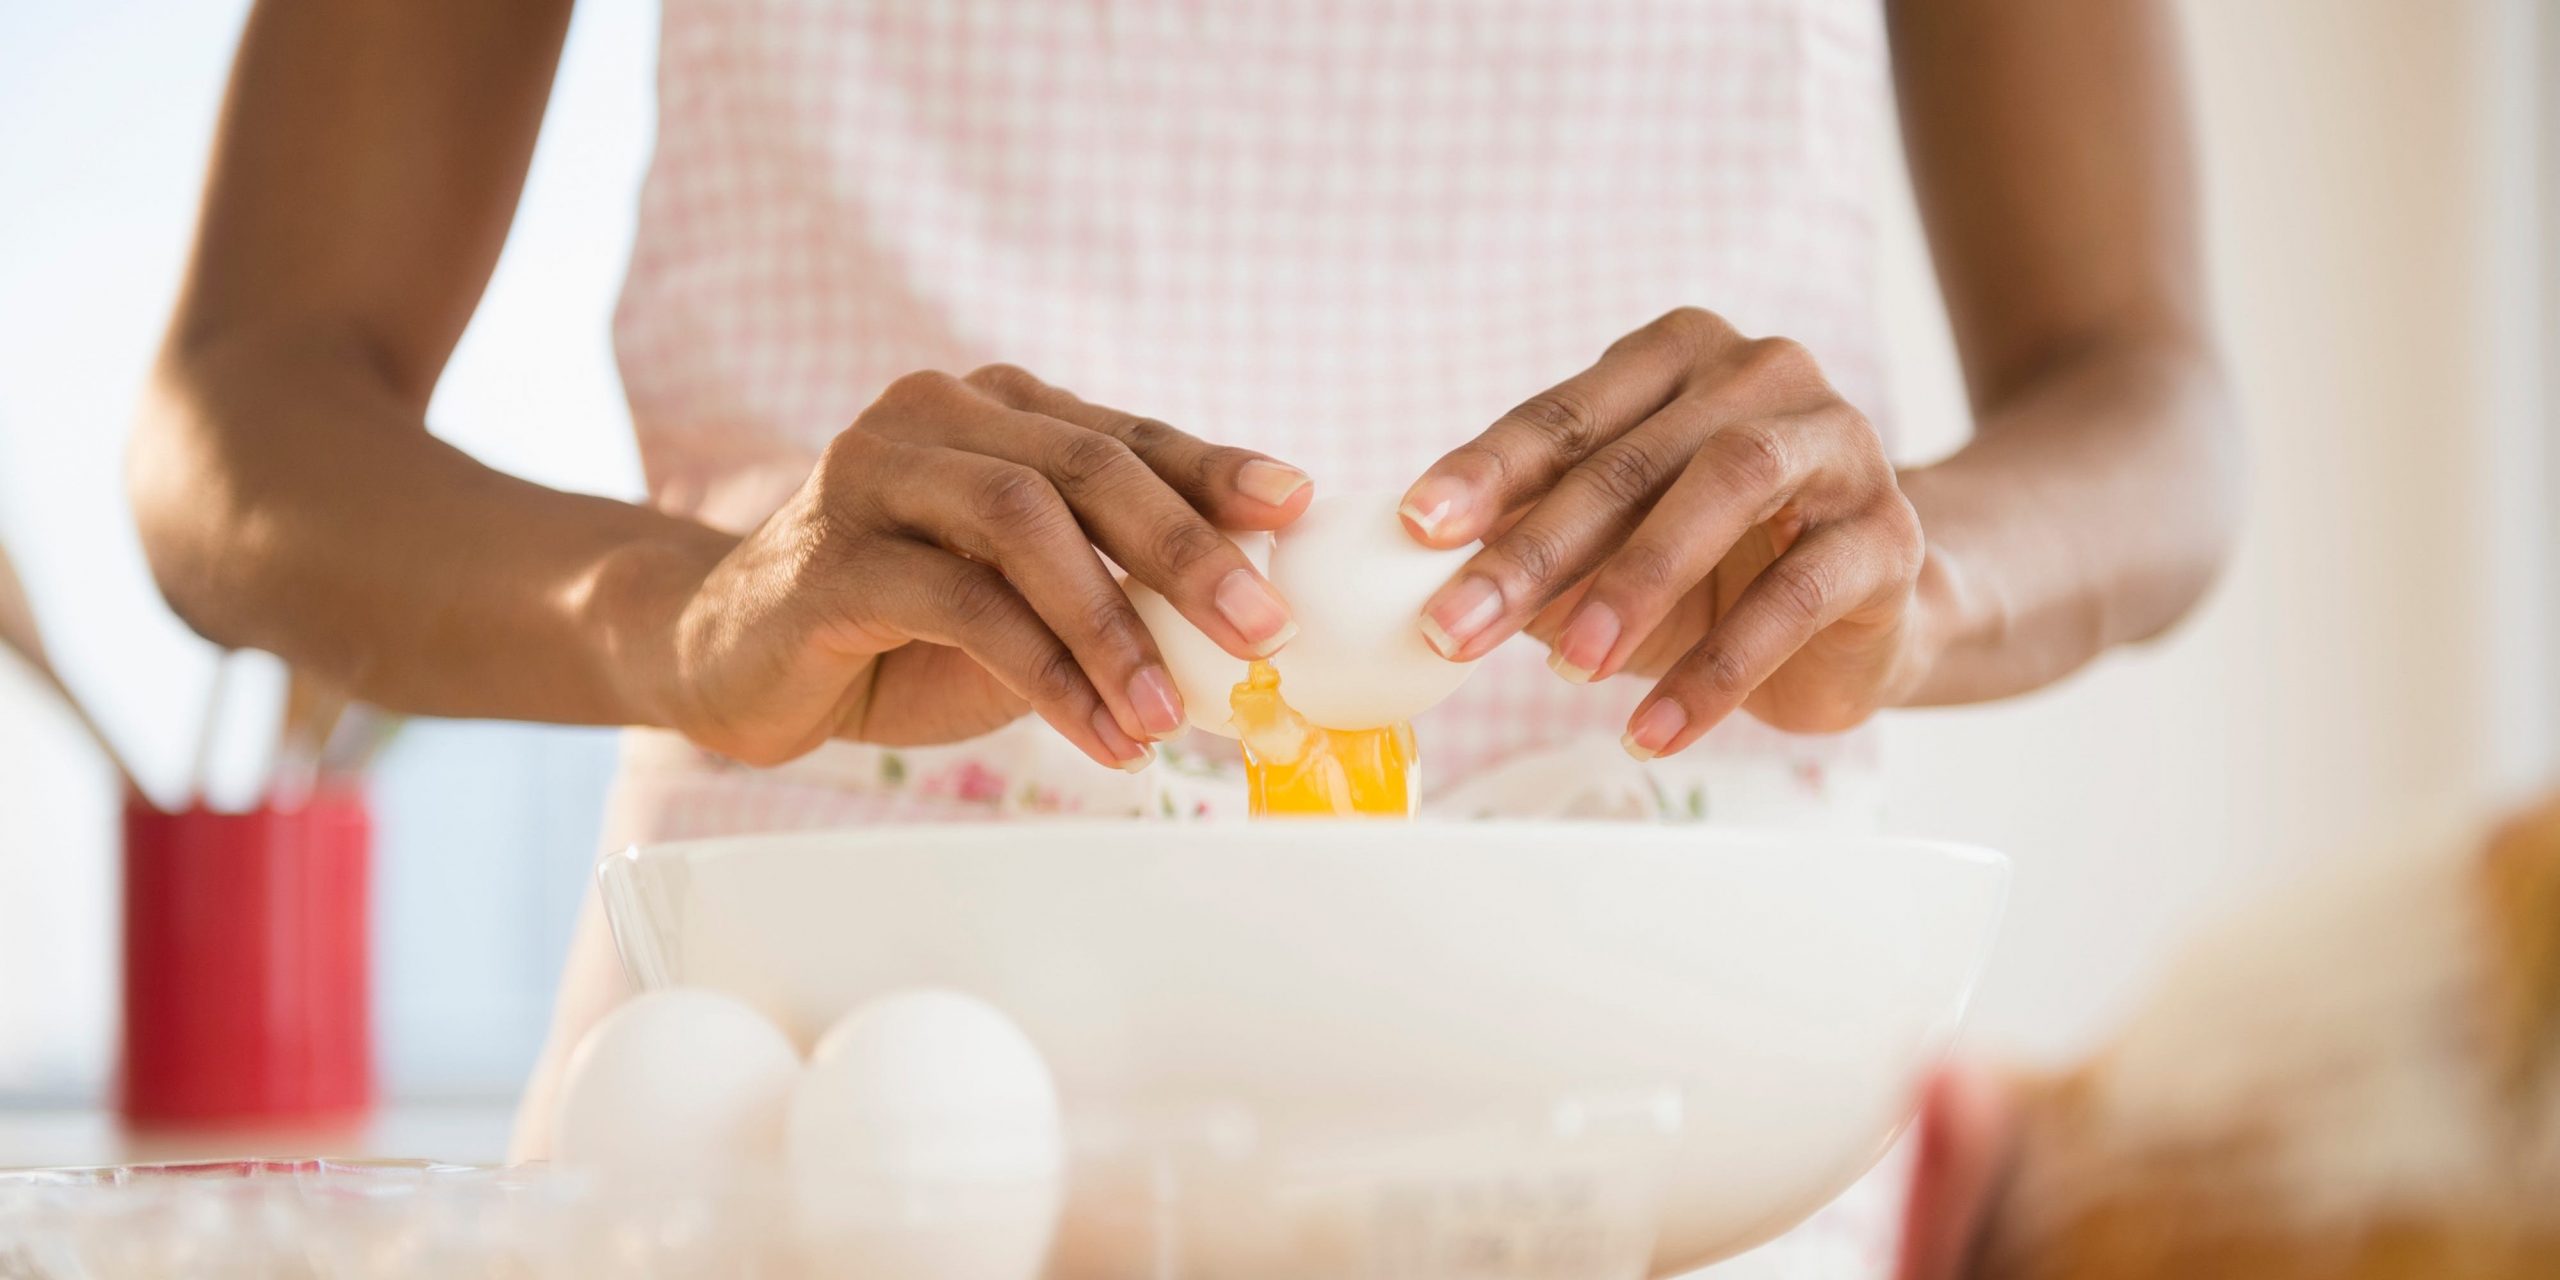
{"type": "Point", "coordinates": [1296, 769]}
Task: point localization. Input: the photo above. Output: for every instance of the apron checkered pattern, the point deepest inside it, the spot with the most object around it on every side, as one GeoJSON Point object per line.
{"type": "Point", "coordinates": [1347, 232]}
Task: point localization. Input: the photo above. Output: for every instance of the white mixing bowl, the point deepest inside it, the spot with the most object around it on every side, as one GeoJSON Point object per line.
{"type": "Point", "coordinates": [1775, 997]}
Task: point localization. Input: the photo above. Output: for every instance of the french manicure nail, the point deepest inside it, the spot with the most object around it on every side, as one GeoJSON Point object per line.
{"type": "Point", "coordinates": [1467, 607]}
{"type": "Point", "coordinates": [1272, 483]}
{"type": "Point", "coordinates": [1255, 610]}
{"type": "Point", "coordinates": [1654, 728]}
{"type": "Point", "coordinates": [1585, 642]}
{"type": "Point", "coordinates": [1433, 504]}
{"type": "Point", "coordinates": [1159, 707]}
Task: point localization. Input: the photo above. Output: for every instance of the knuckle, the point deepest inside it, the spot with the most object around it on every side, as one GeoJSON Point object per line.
{"type": "Point", "coordinates": [1691, 324]}
{"type": "Point", "coordinates": [1185, 544]}
{"type": "Point", "coordinates": [1144, 435]}
{"type": "Point", "coordinates": [1751, 456]}
{"type": "Point", "coordinates": [977, 600]}
{"type": "Point", "coordinates": [1779, 362]}
{"type": "Point", "coordinates": [1012, 497]}
{"type": "Point", "coordinates": [1723, 671]}
{"type": "Point", "coordinates": [850, 453]}
{"type": "Point", "coordinates": [1109, 616]}
{"type": "Point", "coordinates": [838, 497]}
{"type": "Point", "coordinates": [1645, 568]}
{"type": "Point", "coordinates": [1899, 523]}
{"type": "Point", "coordinates": [1536, 554]}
{"type": "Point", "coordinates": [1054, 677]}
{"type": "Point", "coordinates": [1625, 474]}
{"type": "Point", "coordinates": [1862, 429]}
{"type": "Point", "coordinates": [1562, 418]}
{"type": "Point", "coordinates": [1087, 458]}
{"type": "Point", "coordinates": [923, 388]}
{"type": "Point", "coordinates": [1799, 589]}
{"type": "Point", "coordinates": [1004, 381]}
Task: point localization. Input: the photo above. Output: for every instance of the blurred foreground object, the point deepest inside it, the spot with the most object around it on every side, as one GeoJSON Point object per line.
{"type": "Point", "coordinates": [19, 634]}
{"type": "Point", "coordinates": [2361, 1082]}
{"type": "Point", "coordinates": [247, 925]}
{"type": "Point", "coordinates": [247, 963]}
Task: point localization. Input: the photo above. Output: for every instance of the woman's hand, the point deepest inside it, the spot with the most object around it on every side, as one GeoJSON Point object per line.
{"type": "Point", "coordinates": [1697, 505]}
{"type": "Point", "coordinates": [938, 574]}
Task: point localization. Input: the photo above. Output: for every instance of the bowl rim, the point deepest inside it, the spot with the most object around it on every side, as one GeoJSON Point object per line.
{"type": "Point", "coordinates": [1704, 837]}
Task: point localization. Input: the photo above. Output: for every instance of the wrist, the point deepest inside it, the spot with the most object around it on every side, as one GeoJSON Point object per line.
{"type": "Point", "coordinates": [635, 606]}
{"type": "Point", "coordinates": [1951, 612]}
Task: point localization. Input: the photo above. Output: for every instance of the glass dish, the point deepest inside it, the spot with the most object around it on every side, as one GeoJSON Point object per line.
{"type": "Point", "coordinates": [1565, 1195]}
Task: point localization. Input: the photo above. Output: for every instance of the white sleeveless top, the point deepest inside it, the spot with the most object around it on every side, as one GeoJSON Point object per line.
{"type": "Point", "coordinates": [1349, 233]}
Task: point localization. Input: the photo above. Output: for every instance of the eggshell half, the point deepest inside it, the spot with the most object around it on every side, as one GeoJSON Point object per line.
{"type": "Point", "coordinates": [1203, 673]}
{"type": "Point", "coordinates": [1356, 581]}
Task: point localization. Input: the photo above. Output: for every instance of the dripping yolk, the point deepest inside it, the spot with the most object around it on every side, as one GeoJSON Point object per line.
{"type": "Point", "coordinates": [1293, 768]}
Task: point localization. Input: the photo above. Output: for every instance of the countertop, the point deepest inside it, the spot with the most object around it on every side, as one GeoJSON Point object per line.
{"type": "Point", "coordinates": [461, 1132]}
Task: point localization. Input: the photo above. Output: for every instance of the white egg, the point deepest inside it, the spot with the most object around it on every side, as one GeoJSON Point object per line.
{"type": "Point", "coordinates": [1355, 581]}
{"type": "Point", "coordinates": [1203, 673]}
{"type": "Point", "coordinates": [679, 1081]}
{"type": "Point", "coordinates": [926, 1082]}
{"type": "Point", "coordinates": [925, 1139]}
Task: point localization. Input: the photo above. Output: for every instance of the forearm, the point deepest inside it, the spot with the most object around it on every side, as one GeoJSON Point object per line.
{"type": "Point", "coordinates": [2050, 156]}
{"type": "Point", "coordinates": [2090, 510]}
{"type": "Point", "coordinates": [288, 493]}
{"type": "Point", "coordinates": [291, 500]}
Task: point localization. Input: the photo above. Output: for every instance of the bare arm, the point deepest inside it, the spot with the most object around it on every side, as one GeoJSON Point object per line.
{"type": "Point", "coordinates": [364, 174]}
{"type": "Point", "coordinates": [2049, 149]}
{"type": "Point", "coordinates": [939, 574]}
{"type": "Point", "coordinates": [1703, 507]}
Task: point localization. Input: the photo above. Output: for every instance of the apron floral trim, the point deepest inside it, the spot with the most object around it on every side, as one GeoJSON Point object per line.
{"type": "Point", "coordinates": [1025, 771]}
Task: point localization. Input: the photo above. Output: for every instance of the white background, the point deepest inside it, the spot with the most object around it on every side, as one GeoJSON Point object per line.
{"type": "Point", "coordinates": [105, 112]}
{"type": "Point", "coordinates": [2374, 664]}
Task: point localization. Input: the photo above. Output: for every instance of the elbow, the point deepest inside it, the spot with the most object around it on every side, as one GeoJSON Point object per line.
{"type": "Point", "coordinates": [183, 494]}
{"type": "Point", "coordinates": [2207, 508]}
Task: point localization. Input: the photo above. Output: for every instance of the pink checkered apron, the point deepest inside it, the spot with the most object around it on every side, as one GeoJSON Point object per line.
{"type": "Point", "coordinates": [1349, 233]}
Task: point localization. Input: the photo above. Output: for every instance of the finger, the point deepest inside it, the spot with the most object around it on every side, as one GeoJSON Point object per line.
{"type": "Point", "coordinates": [1458, 499]}
{"type": "Point", "coordinates": [942, 599]}
{"type": "Point", "coordinates": [1558, 540]}
{"type": "Point", "coordinates": [1235, 488]}
{"type": "Point", "coordinates": [1143, 523]}
{"type": "Point", "coordinates": [1815, 584]}
{"type": "Point", "coordinates": [1745, 474]}
{"type": "Point", "coordinates": [1009, 516]}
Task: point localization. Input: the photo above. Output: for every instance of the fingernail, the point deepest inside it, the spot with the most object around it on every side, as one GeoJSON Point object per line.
{"type": "Point", "coordinates": [1468, 606]}
{"type": "Point", "coordinates": [1654, 728]}
{"type": "Point", "coordinates": [1432, 504]}
{"type": "Point", "coordinates": [1152, 696]}
{"type": "Point", "coordinates": [1585, 642]}
{"type": "Point", "coordinates": [1254, 609]}
{"type": "Point", "coordinates": [1127, 754]}
{"type": "Point", "coordinates": [1270, 482]}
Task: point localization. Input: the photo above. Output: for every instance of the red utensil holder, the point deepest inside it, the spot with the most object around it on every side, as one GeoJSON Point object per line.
{"type": "Point", "coordinates": [247, 989]}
